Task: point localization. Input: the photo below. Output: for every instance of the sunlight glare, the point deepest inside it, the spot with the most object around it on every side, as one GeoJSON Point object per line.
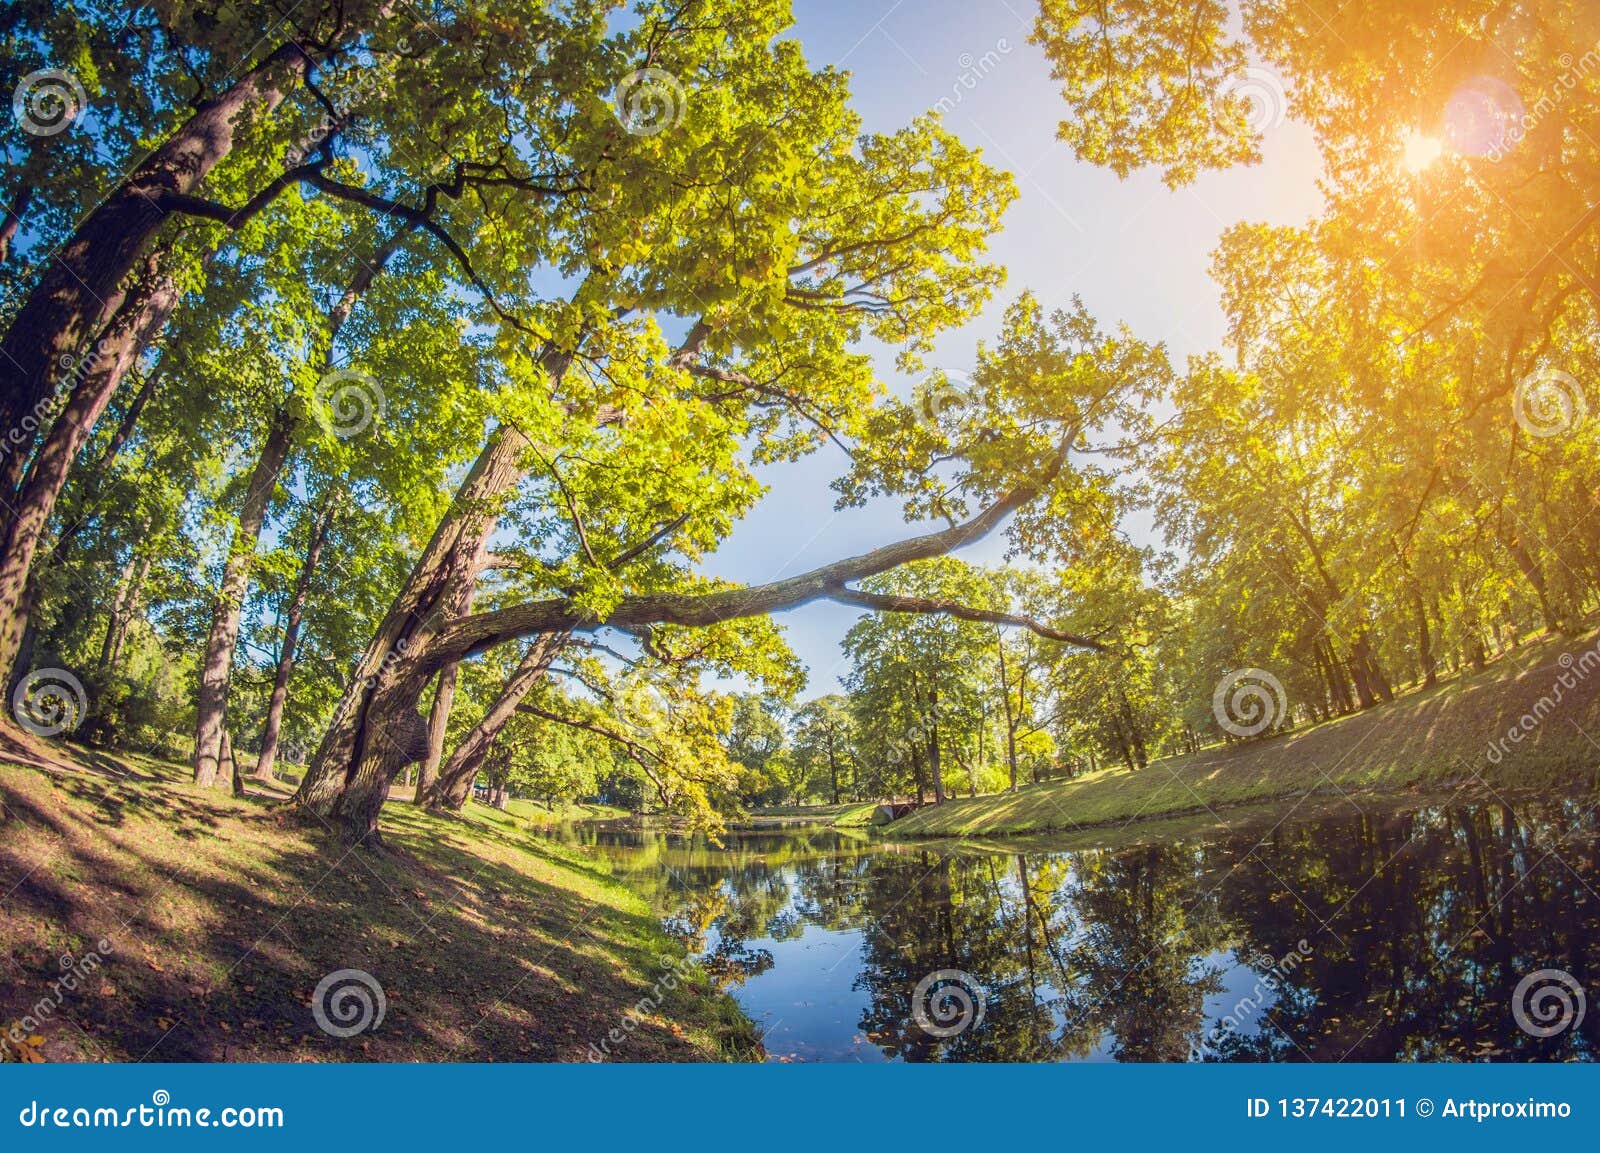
{"type": "Point", "coordinates": [1421, 151]}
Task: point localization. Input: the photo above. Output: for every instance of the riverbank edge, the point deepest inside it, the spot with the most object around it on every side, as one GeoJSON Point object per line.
{"type": "Point", "coordinates": [1452, 738]}
{"type": "Point", "coordinates": [58, 802]}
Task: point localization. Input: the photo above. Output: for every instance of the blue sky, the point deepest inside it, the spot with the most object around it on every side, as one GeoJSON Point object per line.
{"type": "Point", "coordinates": [1133, 250]}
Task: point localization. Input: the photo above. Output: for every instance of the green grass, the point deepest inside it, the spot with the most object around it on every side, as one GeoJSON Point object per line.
{"type": "Point", "coordinates": [1436, 738]}
{"type": "Point", "coordinates": [223, 914]}
{"type": "Point", "coordinates": [851, 814]}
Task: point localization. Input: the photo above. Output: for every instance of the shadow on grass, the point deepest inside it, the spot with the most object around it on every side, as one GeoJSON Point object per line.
{"type": "Point", "coordinates": [222, 917]}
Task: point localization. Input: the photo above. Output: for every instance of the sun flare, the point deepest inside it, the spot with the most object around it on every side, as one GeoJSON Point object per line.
{"type": "Point", "coordinates": [1420, 151]}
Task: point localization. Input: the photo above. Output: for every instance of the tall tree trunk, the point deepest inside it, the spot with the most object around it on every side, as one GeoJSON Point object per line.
{"type": "Point", "coordinates": [438, 590]}
{"type": "Point", "coordinates": [935, 762]}
{"type": "Point", "coordinates": [1430, 672]}
{"type": "Point", "coordinates": [1534, 575]}
{"type": "Point", "coordinates": [144, 315]}
{"type": "Point", "coordinates": [440, 584]}
{"type": "Point", "coordinates": [1005, 700]}
{"type": "Point", "coordinates": [291, 636]}
{"type": "Point", "coordinates": [117, 632]}
{"type": "Point", "coordinates": [120, 598]}
{"type": "Point", "coordinates": [83, 286]}
{"type": "Point", "coordinates": [916, 774]}
{"type": "Point", "coordinates": [444, 696]}
{"type": "Point", "coordinates": [455, 779]}
{"type": "Point", "coordinates": [216, 664]}
{"type": "Point", "coordinates": [833, 768]}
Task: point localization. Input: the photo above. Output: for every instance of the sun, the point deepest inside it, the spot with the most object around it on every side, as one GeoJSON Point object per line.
{"type": "Point", "coordinates": [1420, 151]}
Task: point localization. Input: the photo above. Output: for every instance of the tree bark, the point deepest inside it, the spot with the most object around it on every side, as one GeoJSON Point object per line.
{"type": "Point", "coordinates": [444, 696]}
{"type": "Point", "coordinates": [83, 286]}
{"type": "Point", "coordinates": [216, 665]}
{"type": "Point", "coordinates": [142, 318]}
{"type": "Point", "coordinates": [935, 761]}
{"type": "Point", "coordinates": [455, 780]}
{"type": "Point", "coordinates": [439, 588]}
{"type": "Point", "coordinates": [291, 635]}
{"type": "Point", "coordinates": [1005, 700]}
{"type": "Point", "coordinates": [122, 615]}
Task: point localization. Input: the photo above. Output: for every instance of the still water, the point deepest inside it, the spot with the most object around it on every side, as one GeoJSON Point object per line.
{"type": "Point", "coordinates": [1354, 935]}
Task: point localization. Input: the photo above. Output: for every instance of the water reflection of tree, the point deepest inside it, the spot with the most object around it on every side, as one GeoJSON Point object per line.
{"type": "Point", "coordinates": [925, 912]}
{"type": "Point", "coordinates": [1419, 924]}
{"type": "Point", "coordinates": [1145, 924]}
{"type": "Point", "coordinates": [1433, 918]}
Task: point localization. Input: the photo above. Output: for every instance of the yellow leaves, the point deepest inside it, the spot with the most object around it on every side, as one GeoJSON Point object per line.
{"type": "Point", "coordinates": [18, 1046]}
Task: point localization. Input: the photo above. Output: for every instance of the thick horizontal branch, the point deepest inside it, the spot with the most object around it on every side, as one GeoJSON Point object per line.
{"type": "Point", "coordinates": [481, 631]}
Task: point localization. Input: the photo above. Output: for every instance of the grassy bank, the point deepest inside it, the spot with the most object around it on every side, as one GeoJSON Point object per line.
{"type": "Point", "coordinates": [849, 815]}
{"type": "Point", "coordinates": [221, 917]}
{"type": "Point", "coordinates": [1436, 738]}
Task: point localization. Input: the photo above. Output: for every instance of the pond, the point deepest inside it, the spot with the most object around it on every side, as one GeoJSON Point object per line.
{"type": "Point", "coordinates": [1357, 934]}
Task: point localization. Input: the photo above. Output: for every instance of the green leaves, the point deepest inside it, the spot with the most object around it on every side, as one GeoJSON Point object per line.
{"type": "Point", "coordinates": [1151, 83]}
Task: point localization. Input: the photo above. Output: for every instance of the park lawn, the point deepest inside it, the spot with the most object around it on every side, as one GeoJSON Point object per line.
{"type": "Point", "coordinates": [1437, 738]}
{"type": "Point", "coordinates": [223, 914]}
{"type": "Point", "coordinates": [850, 814]}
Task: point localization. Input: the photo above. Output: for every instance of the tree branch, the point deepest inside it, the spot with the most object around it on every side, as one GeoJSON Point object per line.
{"type": "Point", "coordinates": [894, 603]}
{"type": "Point", "coordinates": [481, 631]}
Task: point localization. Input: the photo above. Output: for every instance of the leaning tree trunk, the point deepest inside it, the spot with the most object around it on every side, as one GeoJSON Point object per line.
{"type": "Point", "coordinates": [455, 781]}
{"type": "Point", "coordinates": [141, 319]}
{"type": "Point", "coordinates": [382, 750]}
{"type": "Point", "coordinates": [291, 636]}
{"type": "Point", "coordinates": [83, 286]}
{"type": "Point", "coordinates": [96, 473]}
{"type": "Point", "coordinates": [440, 585]}
{"type": "Point", "coordinates": [444, 697]}
{"type": "Point", "coordinates": [378, 731]}
{"type": "Point", "coordinates": [11, 214]}
{"type": "Point", "coordinates": [216, 665]}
